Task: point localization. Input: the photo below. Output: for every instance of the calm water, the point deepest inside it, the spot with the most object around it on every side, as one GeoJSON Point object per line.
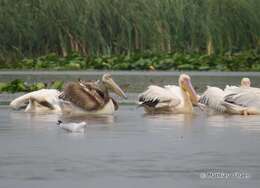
{"type": "Point", "coordinates": [137, 81]}
{"type": "Point", "coordinates": [131, 149]}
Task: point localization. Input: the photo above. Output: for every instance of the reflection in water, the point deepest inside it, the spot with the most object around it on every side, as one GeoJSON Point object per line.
{"type": "Point", "coordinates": [245, 123]}
{"type": "Point", "coordinates": [186, 119]}
{"type": "Point", "coordinates": [21, 117]}
{"type": "Point", "coordinates": [251, 128]}
{"type": "Point", "coordinates": [175, 127]}
{"type": "Point", "coordinates": [217, 120]}
{"type": "Point", "coordinates": [103, 119]}
{"type": "Point", "coordinates": [42, 120]}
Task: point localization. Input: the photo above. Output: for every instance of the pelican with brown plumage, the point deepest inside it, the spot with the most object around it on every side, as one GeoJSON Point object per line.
{"type": "Point", "coordinates": [78, 97]}
{"type": "Point", "coordinates": [91, 97]}
{"type": "Point", "coordinates": [170, 98]}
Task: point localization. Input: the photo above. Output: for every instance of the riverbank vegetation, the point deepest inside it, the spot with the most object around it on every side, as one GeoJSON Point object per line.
{"type": "Point", "coordinates": [22, 86]}
{"type": "Point", "coordinates": [130, 35]}
{"type": "Point", "coordinates": [242, 61]}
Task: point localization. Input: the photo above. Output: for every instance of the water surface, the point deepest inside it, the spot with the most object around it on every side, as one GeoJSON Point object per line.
{"type": "Point", "coordinates": [129, 149]}
{"type": "Point", "coordinates": [137, 80]}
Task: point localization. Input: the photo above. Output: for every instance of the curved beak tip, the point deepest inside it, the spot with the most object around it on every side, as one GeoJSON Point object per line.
{"type": "Point", "coordinates": [116, 89]}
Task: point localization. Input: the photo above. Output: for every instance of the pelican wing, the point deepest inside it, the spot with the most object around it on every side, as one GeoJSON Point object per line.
{"type": "Point", "coordinates": [85, 96]}
{"type": "Point", "coordinates": [44, 103]}
{"type": "Point", "coordinates": [235, 89]}
{"type": "Point", "coordinates": [245, 97]}
{"type": "Point", "coordinates": [45, 97]}
{"type": "Point", "coordinates": [158, 97]}
{"type": "Point", "coordinates": [213, 97]}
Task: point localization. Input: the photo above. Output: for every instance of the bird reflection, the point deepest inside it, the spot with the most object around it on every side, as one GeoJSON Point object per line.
{"type": "Point", "coordinates": [186, 119]}
{"type": "Point", "coordinates": [38, 119]}
{"type": "Point", "coordinates": [91, 119]}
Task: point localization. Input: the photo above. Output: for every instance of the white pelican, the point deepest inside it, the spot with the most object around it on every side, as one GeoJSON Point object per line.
{"type": "Point", "coordinates": [170, 98]}
{"type": "Point", "coordinates": [72, 127]}
{"type": "Point", "coordinates": [44, 100]}
{"type": "Point", "coordinates": [77, 97]}
{"type": "Point", "coordinates": [244, 100]}
{"type": "Point", "coordinates": [245, 83]}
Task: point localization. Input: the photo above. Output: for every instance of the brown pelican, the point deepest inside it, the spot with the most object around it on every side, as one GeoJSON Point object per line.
{"type": "Point", "coordinates": [170, 98]}
{"type": "Point", "coordinates": [77, 97]}
{"type": "Point", "coordinates": [91, 97]}
{"type": "Point", "coordinates": [244, 100]}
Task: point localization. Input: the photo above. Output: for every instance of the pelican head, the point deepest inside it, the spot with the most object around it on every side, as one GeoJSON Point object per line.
{"type": "Point", "coordinates": [245, 82]}
{"type": "Point", "coordinates": [185, 84]}
{"type": "Point", "coordinates": [111, 85]}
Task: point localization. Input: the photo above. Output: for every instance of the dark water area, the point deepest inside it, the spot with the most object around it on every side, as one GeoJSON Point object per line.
{"type": "Point", "coordinates": [137, 80]}
{"type": "Point", "coordinates": [131, 149]}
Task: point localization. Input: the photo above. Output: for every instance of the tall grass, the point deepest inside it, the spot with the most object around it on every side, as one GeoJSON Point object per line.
{"type": "Point", "coordinates": [92, 27]}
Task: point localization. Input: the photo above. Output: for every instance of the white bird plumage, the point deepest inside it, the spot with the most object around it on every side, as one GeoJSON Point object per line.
{"type": "Point", "coordinates": [170, 98]}
{"type": "Point", "coordinates": [87, 97]}
{"type": "Point", "coordinates": [167, 95]}
{"type": "Point", "coordinates": [244, 100]}
{"type": "Point", "coordinates": [73, 127]}
{"type": "Point", "coordinates": [213, 98]}
{"type": "Point", "coordinates": [43, 100]}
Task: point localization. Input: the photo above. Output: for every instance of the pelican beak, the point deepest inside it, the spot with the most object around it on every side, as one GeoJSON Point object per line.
{"type": "Point", "coordinates": [115, 88]}
{"type": "Point", "coordinates": [192, 93]}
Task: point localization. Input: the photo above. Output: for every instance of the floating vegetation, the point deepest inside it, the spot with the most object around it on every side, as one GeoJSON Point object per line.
{"type": "Point", "coordinates": [21, 86]}
{"type": "Point", "coordinates": [241, 61]}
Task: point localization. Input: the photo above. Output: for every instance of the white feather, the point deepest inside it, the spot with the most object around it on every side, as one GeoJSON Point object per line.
{"type": "Point", "coordinates": [213, 97]}
{"type": "Point", "coordinates": [167, 95]}
{"type": "Point", "coordinates": [232, 99]}
{"type": "Point", "coordinates": [246, 97]}
{"type": "Point", "coordinates": [51, 96]}
{"type": "Point", "coordinates": [73, 127]}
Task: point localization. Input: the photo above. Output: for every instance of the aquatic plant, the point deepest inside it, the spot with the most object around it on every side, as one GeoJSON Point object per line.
{"type": "Point", "coordinates": [21, 86]}
{"type": "Point", "coordinates": [97, 27]}
{"type": "Point", "coordinates": [240, 61]}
